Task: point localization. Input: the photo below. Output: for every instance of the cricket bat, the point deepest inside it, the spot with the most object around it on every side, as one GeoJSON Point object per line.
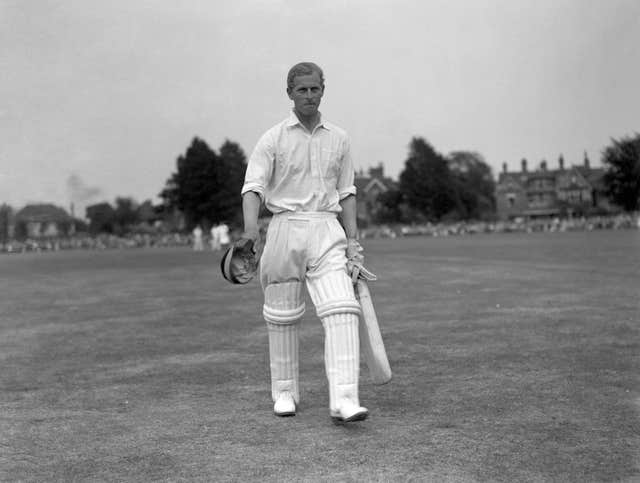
{"type": "Point", "coordinates": [371, 344]}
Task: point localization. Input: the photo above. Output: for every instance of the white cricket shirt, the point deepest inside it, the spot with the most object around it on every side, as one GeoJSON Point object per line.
{"type": "Point", "coordinates": [292, 169]}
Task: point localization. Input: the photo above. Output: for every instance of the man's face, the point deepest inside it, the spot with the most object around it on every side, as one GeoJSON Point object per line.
{"type": "Point", "coordinates": [306, 94]}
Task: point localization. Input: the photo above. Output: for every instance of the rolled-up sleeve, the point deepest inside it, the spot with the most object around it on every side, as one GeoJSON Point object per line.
{"type": "Point", "coordinates": [346, 186]}
{"type": "Point", "coordinates": [260, 166]}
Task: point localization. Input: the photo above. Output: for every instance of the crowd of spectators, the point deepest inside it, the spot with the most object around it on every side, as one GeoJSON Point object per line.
{"type": "Point", "coordinates": [147, 240]}
{"type": "Point", "coordinates": [614, 222]}
{"type": "Point", "coordinates": [98, 242]}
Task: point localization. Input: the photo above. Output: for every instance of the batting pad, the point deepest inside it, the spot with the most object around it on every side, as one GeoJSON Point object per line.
{"type": "Point", "coordinates": [332, 293]}
{"type": "Point", "coordinates": [283, 303]}
{"type": "Point", "coordinates": [341, 357]}
{"type": "Point", "coordinates": [283, 358]}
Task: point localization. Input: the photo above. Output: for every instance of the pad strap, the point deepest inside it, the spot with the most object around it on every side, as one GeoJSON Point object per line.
{"type": "Point", "coordinates": [346, 306]}
{"type": "Point", "coordinates": [282, 316]}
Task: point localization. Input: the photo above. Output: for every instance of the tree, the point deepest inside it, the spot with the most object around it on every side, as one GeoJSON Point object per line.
{"type": "Point", "coordinates": [228, 201]}
{"type": "Point", "coordinates": [426, 181]}
{"type": "Point", "coordinates": [622, 175]}
{"type": "Point", "coordinates": [206, 186]}
{"type": "Point", "coordinates": [474, 184]}
{"type": "Point", "coordinates": [187, 188]}
{"type": "Point", "coordinates": [6, 212]}
{"type": "Point", "coordinates": [125, 214]}
{"type": "Point", "coordinates": [146, 212]}
{"type": "Point", "coordinates": [391, 207]}
{"type": "Point", "coordinates": [101, 218]}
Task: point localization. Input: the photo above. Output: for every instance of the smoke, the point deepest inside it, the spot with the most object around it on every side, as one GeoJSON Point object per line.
{"type": "Point", "coordinates": [79, 191]}
{"type": "Point", "coordinates": [80, 194]}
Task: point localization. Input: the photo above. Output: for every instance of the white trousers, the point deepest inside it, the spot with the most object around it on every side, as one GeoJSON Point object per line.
{"type": "Point", "coordinates": [310, 248]}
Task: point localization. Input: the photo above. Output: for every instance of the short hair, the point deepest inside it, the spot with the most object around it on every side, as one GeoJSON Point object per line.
{"type": "Point", "coordinates": [303, 68]}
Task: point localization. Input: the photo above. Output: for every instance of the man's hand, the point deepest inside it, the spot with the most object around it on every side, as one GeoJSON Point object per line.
{"type": "Point", "coordinates": [355, 262]}
{"type": "Point", "coordinates": [251, 233]}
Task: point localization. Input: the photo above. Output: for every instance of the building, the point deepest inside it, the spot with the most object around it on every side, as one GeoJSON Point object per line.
{"type": "Point", "coordinates": [42, 221]}
{"type": "Point", "coordinates": [369, 186]}
{"type": "Point", "coordinates": [545, 193]}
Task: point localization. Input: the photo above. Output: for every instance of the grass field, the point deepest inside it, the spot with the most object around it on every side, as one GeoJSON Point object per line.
{"type": "Point", "coordinates": [516, 358]}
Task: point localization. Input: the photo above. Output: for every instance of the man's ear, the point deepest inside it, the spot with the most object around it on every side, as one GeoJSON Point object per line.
{"type": "Point", "coordinates": [289, 93]}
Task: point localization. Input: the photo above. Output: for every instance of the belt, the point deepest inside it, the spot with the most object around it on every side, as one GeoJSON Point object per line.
{"type": "Point", "coordinates": [305, 215]}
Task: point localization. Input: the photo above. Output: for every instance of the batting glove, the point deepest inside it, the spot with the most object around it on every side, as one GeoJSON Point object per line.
{"type": "Point", "coordinates": [355, 262]}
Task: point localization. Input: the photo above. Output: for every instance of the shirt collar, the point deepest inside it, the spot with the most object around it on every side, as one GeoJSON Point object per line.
{"type": "Point", "coordinates": [293, 120]}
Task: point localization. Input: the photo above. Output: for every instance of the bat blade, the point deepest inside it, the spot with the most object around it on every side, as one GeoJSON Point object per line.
{"type": "Point", "coordinates": [371, 343]}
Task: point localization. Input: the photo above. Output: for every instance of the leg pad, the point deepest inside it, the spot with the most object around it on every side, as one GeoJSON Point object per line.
{"type": "Point", "coordinates": [283, 359]}
{"type": "Point", "coordinates": [282, 311]}
{"type": "Point", "coordinates": [332, 293]}
{"type": "Point", "coordinates": [342, 358]}
{"type": "Point", "coordinates": [283, 303]}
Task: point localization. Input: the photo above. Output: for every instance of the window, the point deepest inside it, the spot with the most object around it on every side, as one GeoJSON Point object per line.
{"type": "Point", "coordinates": [574, 196]}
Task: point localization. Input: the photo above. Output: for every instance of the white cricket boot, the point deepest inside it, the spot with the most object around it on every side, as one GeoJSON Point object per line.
{"type": "Point", "coordinates": [284, 405]}
{"type": "Point", "coordinates": [342, 361]}
{"type": "Point", "coordinates": [349, 411]}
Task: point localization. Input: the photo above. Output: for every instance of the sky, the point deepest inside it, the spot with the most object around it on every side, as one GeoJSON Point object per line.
{"type": "Point", "coordinates": [98, 99]}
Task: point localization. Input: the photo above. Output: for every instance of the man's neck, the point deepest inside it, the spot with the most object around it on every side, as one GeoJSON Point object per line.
{"type": "Point", "coordinates": [309, 122]}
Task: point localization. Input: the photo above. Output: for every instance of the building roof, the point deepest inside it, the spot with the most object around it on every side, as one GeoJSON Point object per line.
{"type": "Point", "coordinates": [592, 175]}
{"type": "Point", "coordinates": [44, 212]}
{"type": "Point", "coordinates": [595, 176]}
{"type": "Point", "coordinates": [361, 183]}
{"type": "Point", "coordinates": [375, 177]}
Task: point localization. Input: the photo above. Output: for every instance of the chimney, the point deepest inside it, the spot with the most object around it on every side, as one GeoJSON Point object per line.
{"type": "Point", "coordinates": [561, 162]}
{"type": "Point", "coordinates": [586, 160]}
{"type": "Point", "coordinates": [377, 172]}
{"type": "Point", "coordinates": [543, 165]}
{"type": "Point", "coordinates": [524, 165]}
{"type": "Point", "coordinates": [504, 167]}
{"type": "Point", "coordinates": [72, 228]}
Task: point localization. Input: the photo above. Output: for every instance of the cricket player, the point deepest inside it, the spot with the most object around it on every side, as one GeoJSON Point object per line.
{"type": "Point", "coordinates": [215, 238]}
{"type": "Point", "coordinates": [302, 170]}
{"type": "Point", "coordinates": [197, 239]}
{"type": "Point", "coordinates": [223, 235]}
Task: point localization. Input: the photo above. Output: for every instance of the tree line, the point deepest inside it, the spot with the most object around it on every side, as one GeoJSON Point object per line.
{"type": "Point", "coordinates": [435, 187]}
{"type": "Point", "coordinates": [205, 189]}
{"type": "Point", "coordinates": [206, 186]}
{"type": "Point", "coordinates": [432, 186]}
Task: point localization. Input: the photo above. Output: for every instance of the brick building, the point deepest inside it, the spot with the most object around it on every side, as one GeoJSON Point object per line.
{"type": "Point", "coordinates": [369, 187]}
{"type": "Point", "coordinates": [544, 193]}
